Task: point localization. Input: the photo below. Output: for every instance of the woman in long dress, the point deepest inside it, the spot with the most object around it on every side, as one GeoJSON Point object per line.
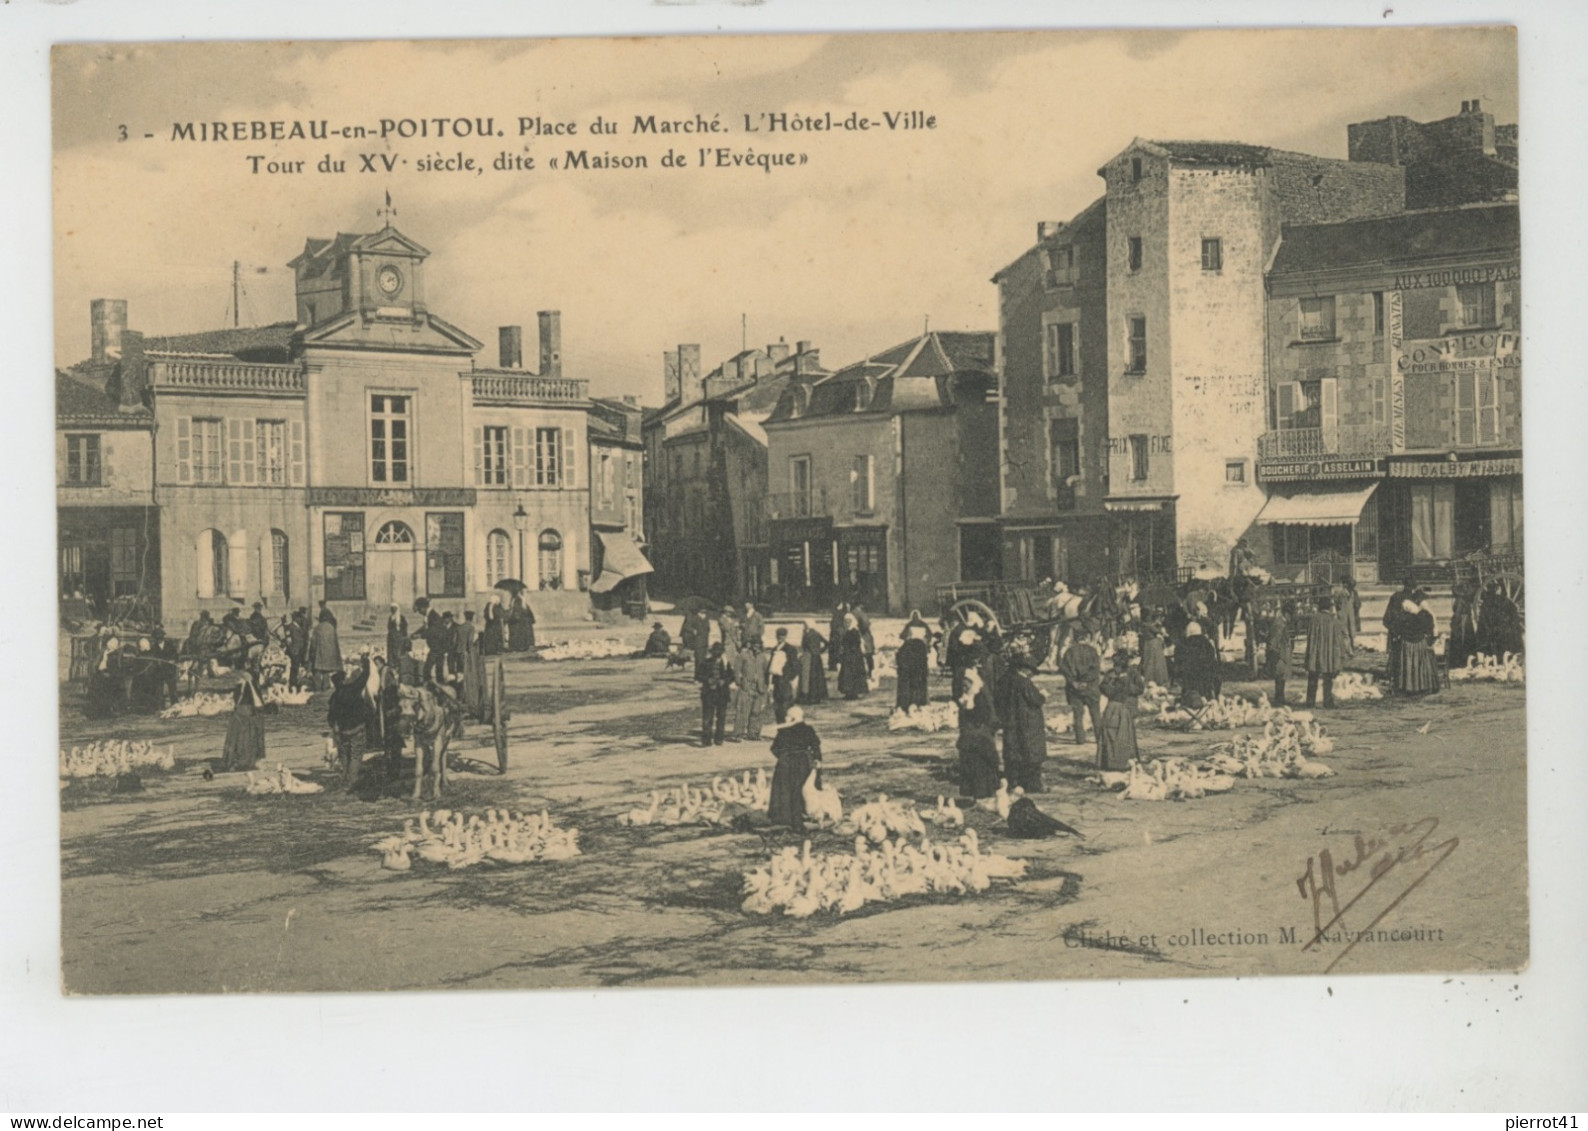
{"type": "Point", "coordinates": [1153, 638]}
{"type": "Point", "coordinates": [245, 731]}
{"type": "Point", "coordinates": [1418, 675]}
{"type": "Point", "coordinates": [911, 663]}
{"type": "Point", "coordinates": [835, 634]}
{"type": "Point", "coordinates": [814, 647]}
{"type": "Point", "coordinates": [798, 752]}
{"type": "Point", "coordinates": [978, 750]}
{"type": "Point", "coordinates": [1116, 733]}
{"type": "Point", "coordinates": [1024, 724]}
{"type": "Point", "coordinates": [520, 625]}
{"type": "Point", "coordinates": [493, 639]}
{"type": "Point", "coordinates": [853, 678]}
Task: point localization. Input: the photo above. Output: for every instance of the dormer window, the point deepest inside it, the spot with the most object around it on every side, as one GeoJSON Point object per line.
{"type": "Point", "coordinates": [1135, 170]}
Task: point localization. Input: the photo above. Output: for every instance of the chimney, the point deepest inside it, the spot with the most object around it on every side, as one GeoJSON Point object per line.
{"type": "Point", "coordinates": [510, 345]}
{"type": "Point", "coordinates": [689, 370]}
{"type": "Point", "coordinates": [1047, 229]}
{"type": "Point", "coordinates": [672, 387]}
{"type": "Point", "coordinates": [778, 350]}
{"type": "Point", "coordinates": [108, 322]}
{"type": "Point", "coordinates": [132, 373]}
{"type": "Point", "coordinates": [550, 343]}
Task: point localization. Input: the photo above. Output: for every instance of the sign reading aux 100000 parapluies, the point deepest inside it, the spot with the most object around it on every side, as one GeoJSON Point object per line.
{"type": "Point", "coordinates": [1269, 471]}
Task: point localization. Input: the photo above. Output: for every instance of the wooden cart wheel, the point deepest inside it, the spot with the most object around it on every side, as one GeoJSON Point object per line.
{"type": "Point", "coordinates": [499, 715]}
{"type": "Point", "coordinates": [959, 613]}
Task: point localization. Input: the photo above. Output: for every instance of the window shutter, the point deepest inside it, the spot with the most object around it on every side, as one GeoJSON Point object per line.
{"type": "Point", "coordinates": [569, 478]}
{"type": "Point", "coordinates": [520, 459]}
{"type": "Point", "coordinates": [250, 453]}
{"type": "Point", "coordinates": [184, 449]}
{"type": "Point", "coordinates": [234, 450]}
{"type": "Point", "coordinates": [479, 455]}
{"type": "Point", "coordinates": [1488, 408]}
{"type": "Point", "coordinates": [204, 563]}
{"type": "Point", "coordinates": [237, 563]}
{"type": "Point", "coordinates": [297, 453]}
{"type": "Point", "coordinates": [1466, 408]}
{"type": "Point", "coordinates": [1329, 414]}
{"type": "Point", "coordinates": [1286, 401]}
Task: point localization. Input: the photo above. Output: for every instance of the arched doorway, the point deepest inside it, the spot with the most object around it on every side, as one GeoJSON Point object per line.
{"type": "Point", "coordinates": [394, 563]}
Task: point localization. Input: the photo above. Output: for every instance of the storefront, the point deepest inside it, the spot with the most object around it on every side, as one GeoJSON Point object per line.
{"type": "Point", "coordinates": [1438, 510]}
{"type": "Point", "coordinates": [802, 570]}
{"type": "Point", "coordinates": [621, 570]}
{"type": "Point", "coordinates": [1142, 536]}
{"type": "Point", "coordinates": [1321, 530]}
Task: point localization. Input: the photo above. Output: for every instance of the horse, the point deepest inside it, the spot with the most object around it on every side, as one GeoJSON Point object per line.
{"type": "Point", "coordinates": [432, 716]}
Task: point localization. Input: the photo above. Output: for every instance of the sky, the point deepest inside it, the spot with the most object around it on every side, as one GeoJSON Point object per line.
{"type": "Point", "coordinates": [876, 235]}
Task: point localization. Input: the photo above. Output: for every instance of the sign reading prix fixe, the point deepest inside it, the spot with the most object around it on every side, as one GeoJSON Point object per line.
{"type": "Point", "coordinates": [1461, 353]}
{"type": "Point", "coordinates": [1269, 471]}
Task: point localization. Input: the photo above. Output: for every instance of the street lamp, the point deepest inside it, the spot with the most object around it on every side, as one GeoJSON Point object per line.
{"type": "Point", "coordinates": [521, 524]}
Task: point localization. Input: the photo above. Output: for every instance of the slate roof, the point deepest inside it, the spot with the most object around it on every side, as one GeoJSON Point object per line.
{"type": "Point", "coordinates": [909, 377]}
{"type": "Point", "coordinates": [272, 343]}
{"type": "Point", "coordinates": [1408, 237]}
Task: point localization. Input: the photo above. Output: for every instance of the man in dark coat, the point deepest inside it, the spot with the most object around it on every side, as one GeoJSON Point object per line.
{"type": "Point", "coordinates": [1328, 648]}
{"type": "Point", "coordinates": [295, 640]}
{"type": "Point", "coordinates": [346, 715]}
{"type": "Point", "coordinates": [976, 746]}
{"type": "Point", "coordinates": [716, 689]}
{"type": "Point", "coordinates": [258, 626]}
{"type": "Point", "coordinates": [784, 670]}
{"type": "Point", "coordinates": [235, 626]}
{"type": "Point", "coordinates": [1082, 669]}
{"type": "Point", "coordinates": [835, 634]}
{"type": "Point", "coordinates": [1281, 643]}
{"type": "Point", "coordinates": [326, 614]}
{"type": "Point", "coordinates": [396, 633]}
{"type": "Point", "coordinates": [798, 751]}
{"type": "Point", "coordinates": [695, 635]}
{"type": "Point", "coordinates": [749, 696]}
{"type": "Point", "coordinates": [753, 627]}
{"type": "Point", "coordinates": [658, 643]}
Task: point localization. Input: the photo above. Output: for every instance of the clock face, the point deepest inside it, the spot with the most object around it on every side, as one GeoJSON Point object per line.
{"type": "Point", "coordinates": [389, 279]}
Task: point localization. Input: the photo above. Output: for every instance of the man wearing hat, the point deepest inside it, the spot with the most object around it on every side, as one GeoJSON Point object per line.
{"type": "Point", "coordinates": [658, 643]}
{"type": "Point", "coordinates": [749, 696]}
{"type": "Point", "coordinates": [1082, 669]}
{"type": "Point", "coordinates": [396, 633]}
{"type": "Point", "coordinates": [258, 626]}
{"type": "Point", "coordinates": [716, 689]}
{"type": "Point", "coordinates": [784, 669]}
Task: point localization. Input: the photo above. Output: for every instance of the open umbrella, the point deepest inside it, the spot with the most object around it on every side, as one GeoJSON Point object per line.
{"type": "Point", "coordinates": [688, 605]}
{"type": "Point", "coordinates": [511, 585]}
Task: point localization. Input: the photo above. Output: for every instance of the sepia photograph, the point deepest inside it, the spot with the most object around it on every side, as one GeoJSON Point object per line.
{"type": "Point", "coordinates": [801, 509]}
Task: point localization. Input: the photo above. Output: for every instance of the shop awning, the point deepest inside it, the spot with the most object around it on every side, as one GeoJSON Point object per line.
{"type": "Point", "coordinates": [1316, 507]}
{"type": "Point", "coordinates": [621, 559]}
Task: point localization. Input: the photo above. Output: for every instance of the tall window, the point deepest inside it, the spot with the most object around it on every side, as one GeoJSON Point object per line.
{"type": "Point", "coordinates": [1135, 170]}
{"type": "Point", "coordinates": [548, 457]}
{"type": "Point", "coordinates": [1212, 255]}
{"type": "Point", "coordinates": [220, 565]}
{"type": "Point", "coordinates": [1378, 314]}
{"type": "Point", "coordinates": [550, 559]}
{"type": "Point", "coordinates": [863, 485]}
{"type": "Point", "coordinates": [1477, 304]}
{"type": "Point", "coordinates": [1061, 349]}
{"type": "Point", "coordinates": [124, 571]}
{"type": "Point", "coordinates": [1477, 407]}
{"type": "Point", "coordinates": [607, 477]}
{"type": "Point", "coordinates": [1134, 252]}
{"type": "Point", "coordinates": [799, 473]}
{"type": "Point", "coordinates": [1065, 441]}
{"type": "Point", "coordinates": [1317, 318]}
{"type": "Point", "coordinates": [1138, 459]}
{"type": "Point", "coordinates": [634, 522]}
{"type": "Point", "coordinates": [388, 438]}
{"type": "Point", "coordinates": [498, 557]}
{"type": "Point", "coordinates": [207, 465]}
{"type": "Point", "coordinates": [279, 583]}
{"type": "Point", "coordinates": [493, 456]}
{"type": "Point", "coordinates": [1061, 260]}
{"type": "Point", "coordinates": [272, 453]}
{"type": "Point", "coordinates": [1138, 346]}
{"type": "Point", "coordinates": [82, 461]}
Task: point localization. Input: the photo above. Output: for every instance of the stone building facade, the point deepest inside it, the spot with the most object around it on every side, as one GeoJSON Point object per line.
{"type": "Point", "coordinates": [878, 472]}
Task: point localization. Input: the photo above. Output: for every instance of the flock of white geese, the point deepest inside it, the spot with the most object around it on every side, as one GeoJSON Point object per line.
{"type": "Point", "coordinates": [461, 840]}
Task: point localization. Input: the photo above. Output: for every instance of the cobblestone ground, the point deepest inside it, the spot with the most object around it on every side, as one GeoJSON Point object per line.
{"type": "Point", "coordinates": [194, 885]}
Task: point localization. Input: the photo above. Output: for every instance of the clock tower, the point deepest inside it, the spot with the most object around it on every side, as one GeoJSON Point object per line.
{"type": "Point", "coordinates": [375, 275]}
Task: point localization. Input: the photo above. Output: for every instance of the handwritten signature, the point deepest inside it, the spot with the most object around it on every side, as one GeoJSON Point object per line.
{"type": "Point", "coordinates": [1404, 851]}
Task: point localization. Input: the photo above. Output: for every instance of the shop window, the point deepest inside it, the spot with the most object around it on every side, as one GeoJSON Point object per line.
{"type": "Point", "coordinates": [389, 438]}
{"type": "Point", "coordinates": [1060, 350]}
{"type": "Point", "coordinates": [344, 554]}
{"type": "Point", "coordinates": [444, 559]}
{"type": "Point", "coordinates": [1433, 521]}
{"type": "Point", "coordinates": [1235, 472]}
{"type": "Point", "coordinates": [1133, 252]}
{"type": "Point", "coordinates": [1366, 535]}
{"type": "Point", "coordinates": [498, 557]}
{"type": "Point", "coordinates": [1476, 302]}
{"type": "Point", "coordinates": [550, 549]}
{"type": "Point", "coordinates": [1213, 254]}
{"type": "Point", "coordinates": [1317, 318]}
{"type": "Point", "coordinates": [124, 571]}
{"type": "Point", "coordinates": [1137, 345]}
{"type": "Point", "coordinates": [1292, 544]}
{"type": "Point", "coordinates": [1139, 466]}
{"type": "Point", "coordinates": [82, 461]}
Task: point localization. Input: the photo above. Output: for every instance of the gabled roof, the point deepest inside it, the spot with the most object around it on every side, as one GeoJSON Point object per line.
{"type": "Point", "coordinates": [1442, 234]}
{"type": "Point", "coordinates": [429, 334]}
{"type": "Point", "coordinates": [912, 376]}
{"type": "Point", "coordinates": [318, 255]}
{"type": "Point", "coordinates": [81, 401]}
